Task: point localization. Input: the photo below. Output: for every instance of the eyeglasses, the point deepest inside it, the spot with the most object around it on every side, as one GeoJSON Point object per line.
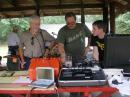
{"type": "Point", "coordinates": [32, 41]}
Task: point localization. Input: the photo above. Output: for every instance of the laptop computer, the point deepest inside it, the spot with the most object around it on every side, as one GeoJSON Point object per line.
{"type": "Point", "coordinates": [44, 77]}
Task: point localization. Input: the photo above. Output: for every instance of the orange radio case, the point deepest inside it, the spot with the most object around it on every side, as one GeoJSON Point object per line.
{"type": "Point", "coordinates": [44, 62]}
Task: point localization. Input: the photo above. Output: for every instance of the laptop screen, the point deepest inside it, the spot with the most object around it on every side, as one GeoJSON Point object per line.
{"type": "Point", "coordinates": [45, 73]}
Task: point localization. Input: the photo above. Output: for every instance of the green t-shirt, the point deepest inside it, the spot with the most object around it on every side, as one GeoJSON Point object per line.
{"type": "Point", "coordinates": [74, 39]}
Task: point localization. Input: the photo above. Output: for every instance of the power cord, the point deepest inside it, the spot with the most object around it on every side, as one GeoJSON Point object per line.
{"type": "Point", "coordinates": [28, 95]}
{"type": "Point", "coordinates": [56, 89]}
{"type": "Point", "coordinates": [39, 43]}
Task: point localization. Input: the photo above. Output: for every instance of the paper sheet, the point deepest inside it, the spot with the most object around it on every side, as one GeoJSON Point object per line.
{"type": "Point", "coordinates": [20, 73]}
{"type": "Point", "coordinates": [124, 87]}
{"type": "Point", "coordinates": [23, 79]}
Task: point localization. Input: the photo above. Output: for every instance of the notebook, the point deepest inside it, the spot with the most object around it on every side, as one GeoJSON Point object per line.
{"type": "Point", "coordinates": [44, 77]}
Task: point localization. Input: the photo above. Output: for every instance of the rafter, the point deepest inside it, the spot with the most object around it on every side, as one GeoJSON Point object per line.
{"type": "Point", "coordinates": [4, 15]}
{"type": "Point", "coordinates": [66, 6]}
{"type": "Point", "coordinates": [12, 2]}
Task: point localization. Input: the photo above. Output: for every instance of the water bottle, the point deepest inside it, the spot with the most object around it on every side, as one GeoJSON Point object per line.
{"type": "Point", "coordinates": [68, 61]}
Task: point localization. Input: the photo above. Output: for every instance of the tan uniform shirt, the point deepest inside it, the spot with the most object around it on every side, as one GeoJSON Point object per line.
{"type": "Point", "coordinates": [34, 46]}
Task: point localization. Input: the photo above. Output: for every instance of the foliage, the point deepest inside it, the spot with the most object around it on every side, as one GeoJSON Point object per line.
{"type": "Point", "coordinates": [92, 18]}
{"type": "Point", "coordinates": [53, 20]}
{"type": "Point", "coordinates": [123, 24]}
{"type": "Point", "coordinates": [4, 29]}
{"type": "Point", "coordinates": [7, 24]}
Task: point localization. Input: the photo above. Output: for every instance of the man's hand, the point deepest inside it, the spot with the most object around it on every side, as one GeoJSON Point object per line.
{"type": "Point", "coordinates": [34, 31]}
{"type": "Point", "coordinates": [87, 49]}
{"type": "Point", "coordinates": [21, 57]}
{"type": "Point", "coordinates": [46, 52]}
{"type": "Point", "coordinates": [22, 64]}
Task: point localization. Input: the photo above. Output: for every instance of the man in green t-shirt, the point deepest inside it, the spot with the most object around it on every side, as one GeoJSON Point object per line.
{"type": "Point", "coordinates": [71, 38]}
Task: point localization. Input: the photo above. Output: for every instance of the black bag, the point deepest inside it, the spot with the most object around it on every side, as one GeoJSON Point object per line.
{"type": "Point", "coordinates": [13, 50]}
{"type": "Point", "coordinates": [13, 64]}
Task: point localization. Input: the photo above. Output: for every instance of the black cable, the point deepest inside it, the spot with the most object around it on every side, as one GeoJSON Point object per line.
{"type": "Point", "coordinates": [43, 41]}
{"type": "Point", "coordinates": [56, 89]}
{"type": "Point", "coordinates": [32, 41]}
{"type": "Point", "coordinates": [28, 95]}
{"type": "Point", "coordinates": [39, 43]}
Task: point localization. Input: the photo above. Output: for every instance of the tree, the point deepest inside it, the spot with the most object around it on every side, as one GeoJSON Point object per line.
{"type": "Point", "coordinates": [123, 24]}
{"type": "Point", "coordinates": [7, 24]}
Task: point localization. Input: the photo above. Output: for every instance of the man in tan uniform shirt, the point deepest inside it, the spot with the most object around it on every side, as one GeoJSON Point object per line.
{"type": "Point", "coordinates": [33, 42]}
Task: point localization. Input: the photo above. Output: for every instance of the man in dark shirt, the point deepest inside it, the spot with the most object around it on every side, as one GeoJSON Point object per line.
{"type": "Point", "coordinates": [71, 38]}
{"type": "Point", "coordinates": [97, 40]}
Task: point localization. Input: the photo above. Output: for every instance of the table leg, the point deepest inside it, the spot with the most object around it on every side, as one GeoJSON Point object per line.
{"type": "Point", "coordinates": [86, 95]}
{"type": "Point", "coordinates": [16, 95]}
{"type": "Point", "coordinates": [105, 94]}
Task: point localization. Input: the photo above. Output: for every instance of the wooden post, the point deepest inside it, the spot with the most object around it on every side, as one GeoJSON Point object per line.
{"type": "Point", "coordinates": [82, 13]}
{"type": "Point", "coordinates": [37, 7]}
{"type": "Point", "coordinates": [38, 11]}
{"type": "Point", "coordinates": [112, 17]}
{"type": "Point", "coordinates": [105, 14]}
{"type": "Point", "coordinates": [82, 16]}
